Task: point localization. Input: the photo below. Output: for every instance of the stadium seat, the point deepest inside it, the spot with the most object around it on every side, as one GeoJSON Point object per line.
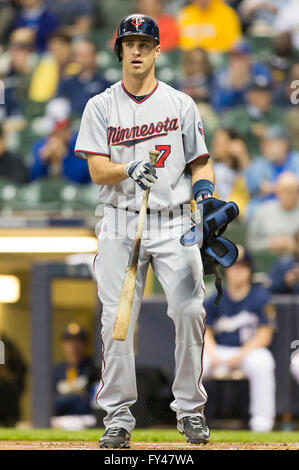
{"type": "Point", "coordinates": [263, 261]}
{"type": "Point", "coordinates": [237, 231]}
{"type": "Point", "coordinates": [88, 199]}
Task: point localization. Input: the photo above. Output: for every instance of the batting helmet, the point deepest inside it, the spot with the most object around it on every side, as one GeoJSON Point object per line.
{"type": "Point", "coordinates": [139, 25]}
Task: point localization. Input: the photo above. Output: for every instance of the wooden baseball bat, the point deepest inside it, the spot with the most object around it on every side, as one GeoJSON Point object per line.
{"type": "Point", "coordinates": [124, 307]}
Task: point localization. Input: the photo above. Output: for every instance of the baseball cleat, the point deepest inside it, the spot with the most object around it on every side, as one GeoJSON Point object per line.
{"type": "Point", "coordinates": [195, 429]}
{"type": "Point", "coordinates": [115, 438]}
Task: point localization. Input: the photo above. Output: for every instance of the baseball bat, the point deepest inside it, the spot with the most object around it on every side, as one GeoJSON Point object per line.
{"type": "Point", "coordinates": [122, 319]}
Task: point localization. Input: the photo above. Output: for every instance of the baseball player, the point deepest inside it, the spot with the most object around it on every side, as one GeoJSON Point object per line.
{"type": "Point", "coordinates": [118, 128]}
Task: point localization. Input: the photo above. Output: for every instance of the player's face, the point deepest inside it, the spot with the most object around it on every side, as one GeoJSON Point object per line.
{"type": "Point", "coordinates": [139, 54]}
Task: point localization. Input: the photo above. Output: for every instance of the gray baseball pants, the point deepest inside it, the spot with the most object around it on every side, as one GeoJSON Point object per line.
{"type": "Point", "coordinates": [179, 270]}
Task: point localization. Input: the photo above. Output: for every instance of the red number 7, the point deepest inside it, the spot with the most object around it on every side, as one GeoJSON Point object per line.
{"type": "Point", "coordinates": [165, 151]}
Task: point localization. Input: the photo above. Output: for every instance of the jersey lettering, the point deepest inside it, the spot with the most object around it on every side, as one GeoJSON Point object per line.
{"type": "Point", "coordinates": [136, 134]}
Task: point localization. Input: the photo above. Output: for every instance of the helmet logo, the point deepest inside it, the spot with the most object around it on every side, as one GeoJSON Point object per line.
{"type": "Point", "coordinates": [137, 21]}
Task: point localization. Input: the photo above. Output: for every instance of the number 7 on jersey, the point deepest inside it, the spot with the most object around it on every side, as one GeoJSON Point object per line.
{"type": "Point", "coordinates": [164, 153]}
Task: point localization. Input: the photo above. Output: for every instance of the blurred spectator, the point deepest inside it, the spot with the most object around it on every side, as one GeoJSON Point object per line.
{"type": "Point", "coordinates": [75, 16]}
{"type": "Point", "coordinates": [12, 383]}
{"type": "Point", "coordinates": [8, 11]}
{"type": "Point", "coordinates": [11, 117]}
{"type": "Point", "coordinates": [169, 31]}
{"type": "Point", "coordinates": [17, 69]}
{"type": "Point", "coordinates": [234, 3]}
{"type": "Point", "coordinates": [231, 82]}
{"type": "Point", "coordinates": [196, 82]}
{"type": "Point", "coordinates": [37, 16]}
{"type": "Point", "coordinates": [88, 82]}
{"type": "Point", "coordinates": [230, 159]}
{"type": "Point", "coordinates": [277, 158]}
{"type": "Point", "coordinates": [73, 376]}
{"type": "Point", "coordinates": [282, 58]}
{"type": "Point", "coordinates": [285, 94]}
{"type": "Point", "coordinates": [288, 20]}
{"type": "Point", "coordinates": [209, 24]}
{"type": "Point", "coordinates": [292, 100]}
{"type": "Point", "coordinates": [53, 67]}
{"type": "Point", "coordinates": [198, 75]}
{"type": "Point", "coordinates": [285, 272]}
{"type": "Point", "coordinates": [54, 155]}
{"type": "Point", "coordinates": [12, 167]}
{"type": "Point", "coordinates": [265, 11]}
{"type": "Point", "coordinates": [275, 222]}
{"type": "Point", "coordinates": [239, 331]}
{"type": "Point", "coordinates": [259, 113]}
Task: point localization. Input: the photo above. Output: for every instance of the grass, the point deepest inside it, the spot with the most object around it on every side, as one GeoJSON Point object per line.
{"type": "Point", "coordinates": [144, 435]}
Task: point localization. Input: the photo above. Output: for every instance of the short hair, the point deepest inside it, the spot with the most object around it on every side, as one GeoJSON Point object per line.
{"type": "Point", "coordinates": [87, 41]}
{"type": "Point", "coordinates": [233, 133]}
{"type": "Point", "coordinates": [63, 37]}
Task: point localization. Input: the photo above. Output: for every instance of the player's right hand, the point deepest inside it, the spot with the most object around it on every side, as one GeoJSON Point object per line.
{"type": "Point", "coordinates": [142, 172]}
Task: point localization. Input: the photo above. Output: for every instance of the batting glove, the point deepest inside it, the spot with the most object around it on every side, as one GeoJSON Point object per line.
{"type": "Point", "coordinates": [142, 172]}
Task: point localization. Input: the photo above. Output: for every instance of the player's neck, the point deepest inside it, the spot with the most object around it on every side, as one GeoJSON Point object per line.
{"type": "Point", "coordinates": [139, 86]}
{"type": "Point", "coordinates": [239, 292]}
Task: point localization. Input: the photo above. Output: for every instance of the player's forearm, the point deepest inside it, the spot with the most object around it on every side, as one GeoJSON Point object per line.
{"type": "Point", "coordinates": [103, 171]}
{"type": "Point", "coordinates": [202, 169]}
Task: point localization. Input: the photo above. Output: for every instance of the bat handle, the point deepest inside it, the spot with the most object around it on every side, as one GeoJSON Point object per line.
{"type": "Point", "coordinates": [153, 156]}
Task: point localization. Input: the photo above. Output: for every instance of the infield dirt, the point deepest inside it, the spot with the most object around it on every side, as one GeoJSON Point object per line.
{"type": "Point", "coordinates": [55, 445]}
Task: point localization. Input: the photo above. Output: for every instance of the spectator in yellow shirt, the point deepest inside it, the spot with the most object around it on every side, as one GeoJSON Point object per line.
{"type": "Point", "coordinates": [209, 24]}
{"type": "Point", "coordinates": [231, 158]}
{"type": "Point", "coordinates": [55, 65]}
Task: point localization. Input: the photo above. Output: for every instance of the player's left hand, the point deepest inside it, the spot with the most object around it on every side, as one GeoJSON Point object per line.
{"type": "Point", "coordinates": [142, 172]}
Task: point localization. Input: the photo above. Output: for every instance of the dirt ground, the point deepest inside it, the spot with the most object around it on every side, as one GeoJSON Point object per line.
{"type": "Point", "coordinates": [34, 445]}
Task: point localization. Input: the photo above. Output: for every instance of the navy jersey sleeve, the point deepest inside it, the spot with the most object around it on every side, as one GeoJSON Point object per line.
{"type": "Point", "coordinates": [64, 88]}
{"type": "Point", "coordinates": [277, 274]}
{"type": "Point", "coordinates": [265, 309]}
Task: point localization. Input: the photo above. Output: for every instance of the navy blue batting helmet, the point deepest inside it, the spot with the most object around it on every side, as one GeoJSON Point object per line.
{"type": "Point", "coordinates": [139, 25]}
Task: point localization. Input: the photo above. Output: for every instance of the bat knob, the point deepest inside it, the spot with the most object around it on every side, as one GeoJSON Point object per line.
{"type": "Point", "coordinates": [153, 156]}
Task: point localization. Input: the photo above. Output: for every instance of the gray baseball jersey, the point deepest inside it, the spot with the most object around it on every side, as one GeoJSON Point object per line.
{"type": "Point", "coordinates": [118, 126]}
